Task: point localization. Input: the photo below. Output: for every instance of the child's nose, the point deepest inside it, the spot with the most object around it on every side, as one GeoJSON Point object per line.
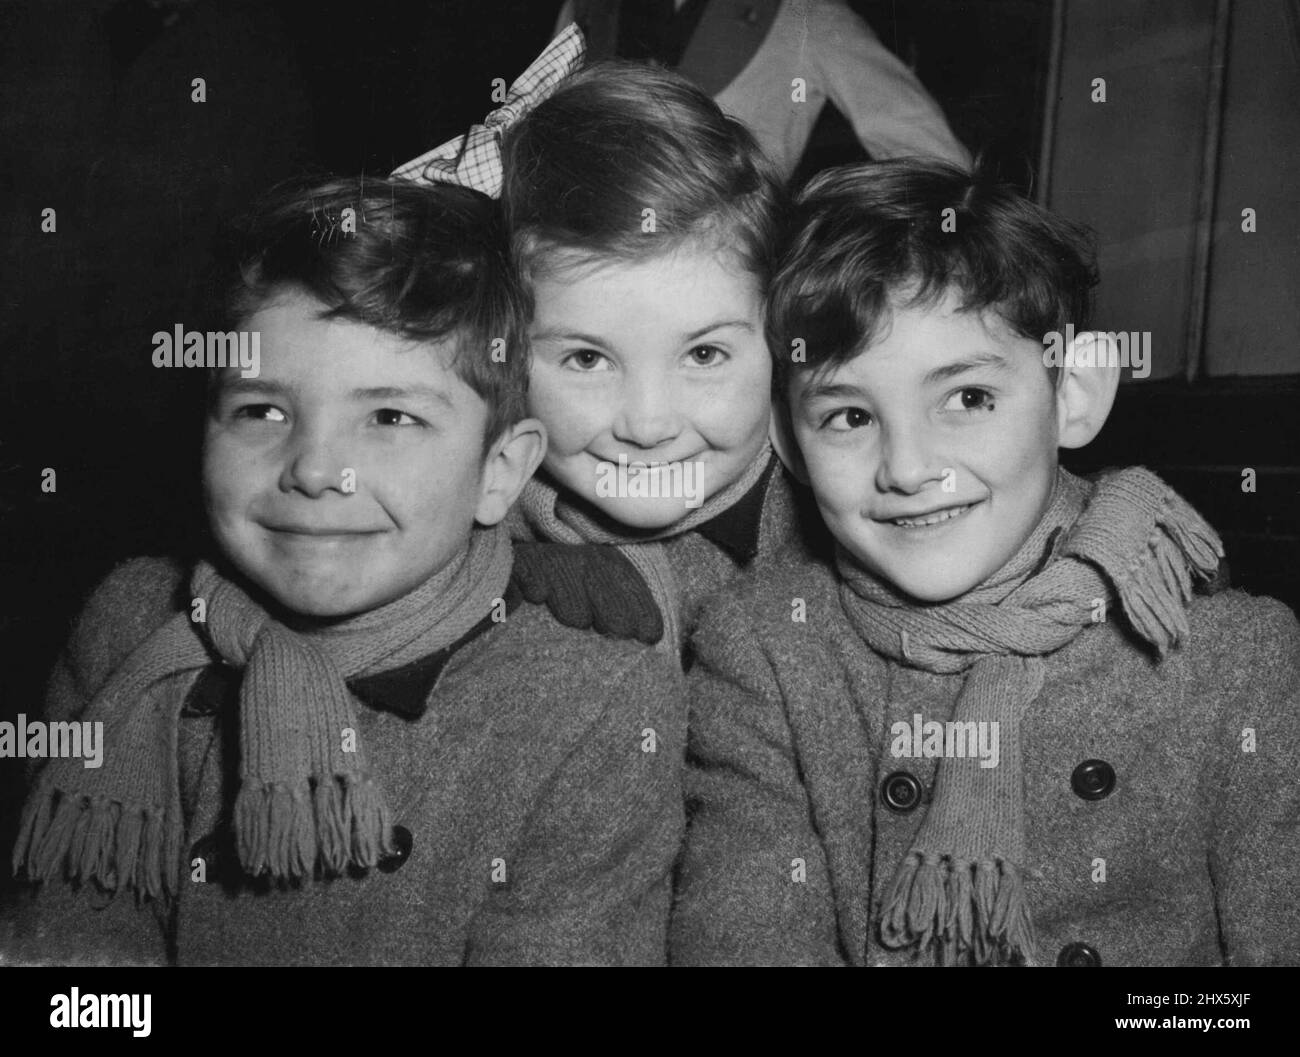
{"type": "Point", "coordinates": [314, 464]}
{"type": "Point", "coordinates": [907, 462]}
{"type": "Point", "coordinates": [648, 416]}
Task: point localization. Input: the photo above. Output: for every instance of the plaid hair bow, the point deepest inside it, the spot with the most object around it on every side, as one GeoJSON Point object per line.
{"type": "Point", "coordinates": [474, 159]}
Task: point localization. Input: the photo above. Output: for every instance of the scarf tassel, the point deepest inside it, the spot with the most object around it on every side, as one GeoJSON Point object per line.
{"type": "Point", "coordinates": [1155, 590]}
{"type": "Point", "coordinates": [84, 839]}
{"type": "Point", "coordinates": [287, 831]}
{"type": "Point", "coordinates": [964, 912]}
{"type": "Point", "coordinates": [366, 815]}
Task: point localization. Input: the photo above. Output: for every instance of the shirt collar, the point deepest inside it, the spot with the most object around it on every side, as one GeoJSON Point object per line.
{"type": "Point", "coordinates": [406, 690]}
{"type": "Point", "coordinates": [736, 529]}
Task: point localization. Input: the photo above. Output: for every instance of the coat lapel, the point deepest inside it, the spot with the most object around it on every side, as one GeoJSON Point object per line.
{"type": "Point", "coordinates": [834, 746]}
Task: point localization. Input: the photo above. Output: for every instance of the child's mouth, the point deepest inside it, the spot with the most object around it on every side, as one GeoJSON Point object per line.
{"type": "Point", "coordinates": [937, 518]}
{"type": "Point", "coordinates": [649, 465]}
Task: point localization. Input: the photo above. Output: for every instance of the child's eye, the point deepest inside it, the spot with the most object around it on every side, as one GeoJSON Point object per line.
{"type": "Point", "coordinates": [588, 360]}
{"type": "Point", "coordinates": [260, 412]}
{"type": "Point", "coordinates": [845, 419]}
{"type": "Point", "coordinates": [972, 398]}
{"type": "Point", "coordinates": [390, 416]}
{"type": "Point", "coordinates": [706, 356]}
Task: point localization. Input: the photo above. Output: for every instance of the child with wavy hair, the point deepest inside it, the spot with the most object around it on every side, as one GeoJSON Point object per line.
{"type": "Point", "coordinates": [341, 737]}
{"type": "Point", "coordinates": [1003, 685]}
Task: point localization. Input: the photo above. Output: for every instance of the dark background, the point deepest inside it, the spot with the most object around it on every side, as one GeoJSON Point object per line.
{"type": "Point", "coordinates": [98, 123]}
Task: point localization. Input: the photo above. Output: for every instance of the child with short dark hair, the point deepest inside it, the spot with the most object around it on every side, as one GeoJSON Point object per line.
{"type": "Point", "coordinates": [350, 684]}
{"type": "Point", "coordinates": [998, 728]}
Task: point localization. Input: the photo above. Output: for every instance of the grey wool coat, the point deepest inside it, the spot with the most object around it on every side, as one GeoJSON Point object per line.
{"type": "Point", "coordinates": [778, 515]}
{"type": "Point", "coordinates": [1190, 859]}
{"type": "Point", "coordinates": [541, 831]}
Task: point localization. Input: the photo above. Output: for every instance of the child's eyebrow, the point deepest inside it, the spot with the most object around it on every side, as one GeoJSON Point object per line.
{"type": "Point", "coordinates": [829, 391]}
{"type": "Point", "coordinates": [972, 363]}
{"type": "Point", "coordinates": [404, 392]}
{"type": "Point", "coordinates": [251, 387]}
{"type": "Point", "coordinates": [569, 335]}
{"type": "Point", "coordinates": [591, 339]}
{"type": "Point", "coordinates": [743, 324]}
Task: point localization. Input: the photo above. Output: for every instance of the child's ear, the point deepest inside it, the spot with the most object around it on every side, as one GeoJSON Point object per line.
{"type": "Point", "coordinates": [1086, 389]}
{"type": "Point", "coordinates": [781, 434]}
{"type": "Point", "coordinates": [510, 462]}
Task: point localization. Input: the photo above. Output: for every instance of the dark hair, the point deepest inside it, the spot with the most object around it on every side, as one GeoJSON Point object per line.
{"type": "Point", "coordinates": [862, 235]}
{"type": "Point", "coordinates": [622, 137]}
{"type": "Point", "coordinates": [428, 263]}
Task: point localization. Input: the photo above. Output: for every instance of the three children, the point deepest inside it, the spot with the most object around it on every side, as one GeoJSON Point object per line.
{"type": "Point", "coordinates": [366, 689]}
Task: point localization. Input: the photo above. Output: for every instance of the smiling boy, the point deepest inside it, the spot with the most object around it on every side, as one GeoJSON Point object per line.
{"type": "Point", "coordinates": [989, 411]}
{"type": "Point", "coordinates": [341, 737]}
{"type": "Point", "coordinates": [1143, 804]}
{"type": "Point", "coordinates": [385, 481]}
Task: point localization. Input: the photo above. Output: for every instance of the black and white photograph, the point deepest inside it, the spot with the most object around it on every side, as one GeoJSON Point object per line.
{"type": "Point", "coordinates": [650, 483]}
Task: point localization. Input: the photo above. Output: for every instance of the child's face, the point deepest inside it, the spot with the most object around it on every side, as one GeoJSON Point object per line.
{"type": "Point", "coordinates": [661, 361]}
{"type": "Point", "coordinates": [349, 471]}
{"type": "Point", "coordinates": [942, 396]}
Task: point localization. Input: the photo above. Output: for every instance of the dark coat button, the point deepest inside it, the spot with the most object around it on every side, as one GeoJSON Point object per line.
{"type": "Point", "coordinates": [900, 791]}
{"type": "Point", "coordinates": [1078, 954]}
{"type": "Point", "coordinates": [1093, 779]}
{"type": "Point", "coordinates": [403, 842]}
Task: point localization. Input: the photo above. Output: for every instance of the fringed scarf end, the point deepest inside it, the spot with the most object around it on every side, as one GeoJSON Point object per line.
{"type": "Point", "coordinates": [964, 913]}
{"type": "Point", "coordinates": [288, 831]}
{"type": "Point", "coordinates": [368, 822]}
{"type": "Point", "coordinates": [86, 839]}
{"type": "Point", "coordinates": [275, 831]}
{"type": "Point", "coordinates": [1156, 591]}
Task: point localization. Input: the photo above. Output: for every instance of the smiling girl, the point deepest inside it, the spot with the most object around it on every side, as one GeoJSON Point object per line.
{"type": "Point", "coordinates": [645, 223]}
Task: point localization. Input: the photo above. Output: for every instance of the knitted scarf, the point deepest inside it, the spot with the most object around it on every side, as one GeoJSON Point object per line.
{"type": "Point", "coordinates": [550, 516]}
{"type": "Point", "coordinates": [307, 799]}
{"type": "Point", "coordinates": [958, 891]}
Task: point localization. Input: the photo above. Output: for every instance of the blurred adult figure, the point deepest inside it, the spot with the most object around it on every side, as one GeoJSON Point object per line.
{"type": "Point", "coordinates": [774, 64]}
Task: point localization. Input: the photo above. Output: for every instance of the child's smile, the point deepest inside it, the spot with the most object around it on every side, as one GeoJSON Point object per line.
{"type": "Point", "coordinates": [933, 453]}
{"type": "Point", "coordinates": [916, 523]}
{"type": "Point", "coordinates": [300, 542]}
